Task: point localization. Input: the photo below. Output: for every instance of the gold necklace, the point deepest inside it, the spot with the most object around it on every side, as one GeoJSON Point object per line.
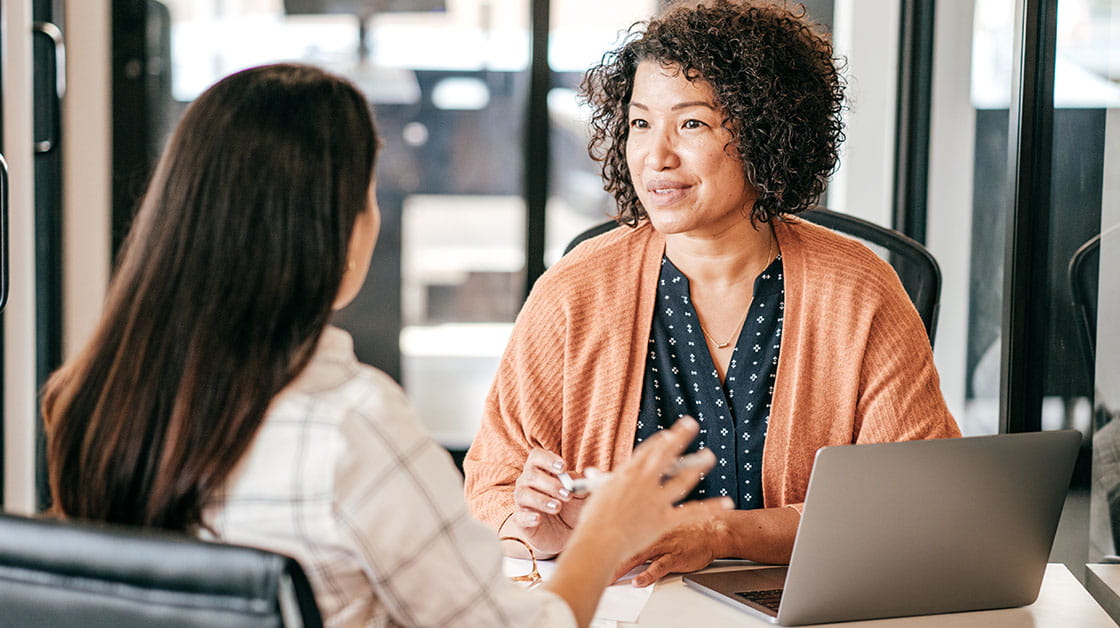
{"type": "Point", "coordinates": [739, 327]}
{"type": "Point", "coordinates": [721, 345]}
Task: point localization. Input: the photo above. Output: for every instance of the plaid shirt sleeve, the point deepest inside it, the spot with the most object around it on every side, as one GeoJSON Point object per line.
{"type": "Point", "coordinates": [399, 505]}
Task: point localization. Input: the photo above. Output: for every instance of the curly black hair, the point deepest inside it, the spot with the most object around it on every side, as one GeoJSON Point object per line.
{"type": "Point", "coordinates": [773, 75]}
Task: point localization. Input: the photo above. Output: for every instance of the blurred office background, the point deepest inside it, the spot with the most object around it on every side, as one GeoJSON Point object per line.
{"type": "Point", "coordinates": [972, 124]}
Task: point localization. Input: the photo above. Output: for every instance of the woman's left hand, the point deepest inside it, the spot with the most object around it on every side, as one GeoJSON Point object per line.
{"type": "Point", "coordinates": [685, 548]}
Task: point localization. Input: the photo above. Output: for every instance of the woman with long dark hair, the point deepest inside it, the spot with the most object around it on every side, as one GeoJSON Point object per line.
{"type": "Point", "coordinates": [215, 399]}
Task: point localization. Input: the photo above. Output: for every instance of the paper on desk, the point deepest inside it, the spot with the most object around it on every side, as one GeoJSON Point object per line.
{"type": "Point", "coordinates": [621, 601]}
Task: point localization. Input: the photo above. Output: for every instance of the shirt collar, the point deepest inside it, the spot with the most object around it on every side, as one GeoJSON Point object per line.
{"type": "Point", "coordinates": [332, 364]}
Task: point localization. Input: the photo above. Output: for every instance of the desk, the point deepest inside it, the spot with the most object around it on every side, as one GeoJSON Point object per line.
{"type": "Point", "coordinates": [1103, 582]}
{"type": "Point", "coordinates": [1061, 603]}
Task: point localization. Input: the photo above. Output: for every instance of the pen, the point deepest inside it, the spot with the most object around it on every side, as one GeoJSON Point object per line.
{"type": "Point", "coordinates": [583, 486]}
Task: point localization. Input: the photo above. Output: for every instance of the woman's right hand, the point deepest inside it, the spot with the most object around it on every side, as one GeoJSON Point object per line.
{"type": "Point", "coordinates": [544, 511]}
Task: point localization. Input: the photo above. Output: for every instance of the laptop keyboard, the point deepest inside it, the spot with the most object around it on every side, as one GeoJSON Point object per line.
{"type": "Point", "coordinates": [769, 598]}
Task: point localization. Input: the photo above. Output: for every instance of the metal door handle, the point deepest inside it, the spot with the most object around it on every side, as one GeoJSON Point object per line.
{"type": "Point", "coordinates": [58, 63]}
{"type": "Point", "coordinates": [3, 233]}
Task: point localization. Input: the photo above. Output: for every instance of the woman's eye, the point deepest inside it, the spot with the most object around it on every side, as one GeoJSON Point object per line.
{"type": "Point", "coordinates": [638, 123]}
{"type": "Point", "coordinates": [693, 124]}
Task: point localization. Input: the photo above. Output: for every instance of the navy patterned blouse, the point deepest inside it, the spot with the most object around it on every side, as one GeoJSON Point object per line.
{"type": "Point", "coordinates": [681, 378]}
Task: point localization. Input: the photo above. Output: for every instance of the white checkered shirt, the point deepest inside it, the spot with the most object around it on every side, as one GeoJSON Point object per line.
{"type": "Point", "coordinates": [342, 478]}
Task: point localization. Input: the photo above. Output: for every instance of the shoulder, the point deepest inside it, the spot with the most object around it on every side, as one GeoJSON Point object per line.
{"type": "Point", "coordinates": [617, 241]}
{"type": "Point", "coordinates": [371, 387]}
{"type": "Point", "coordinates": [596, 269]}
{"type": "Point", "coordinates": [335, 387]}
{"type": "Point", "coordinates": [358, 418]}
{"type": "Point", "coordinates": [385, 453]}
{"type": "Point", "coordinates": [372, 400]}
{"type": "Point", "coordinates": [822, 256]}
{"type": "Point", "coordinates": [821, 245]}
{"type": "Point", "coordinates": [621, 245]}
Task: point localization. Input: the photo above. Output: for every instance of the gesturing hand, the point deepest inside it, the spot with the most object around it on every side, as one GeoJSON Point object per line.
{"type": "Point", "coordinates": [630, 510]}
{"type": "Point", "coordinates": [635, 508]}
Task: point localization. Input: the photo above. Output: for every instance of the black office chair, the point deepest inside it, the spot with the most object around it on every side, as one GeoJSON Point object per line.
{"type": "Point", "coordinates": [916, 267]}
{"type": "Point", "coordinates": [1084, 270]}
{"type": "Point", "coordinates": [60, 574]}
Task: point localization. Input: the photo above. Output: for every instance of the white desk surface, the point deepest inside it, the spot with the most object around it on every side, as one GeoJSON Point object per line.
{"type": "Point", "coordinates": [1103, 582]}
{"type": "Point", "coordinates": [1062, 602]}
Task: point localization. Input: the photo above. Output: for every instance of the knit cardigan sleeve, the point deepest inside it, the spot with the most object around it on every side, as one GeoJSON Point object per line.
{"type": "Point", "coordinates": [567, 380]}
{"type": "Point", "coordinates": [522, 410]}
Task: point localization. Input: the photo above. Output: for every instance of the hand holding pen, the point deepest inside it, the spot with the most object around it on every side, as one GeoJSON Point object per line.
{"type": "Point", "coordinates": [594, 478]}
{"type": "Point", "coordinates": [544, 511]}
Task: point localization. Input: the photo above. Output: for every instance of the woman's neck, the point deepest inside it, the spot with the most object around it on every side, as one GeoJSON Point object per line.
{"type": "Point", "coordinates": [728, 258]}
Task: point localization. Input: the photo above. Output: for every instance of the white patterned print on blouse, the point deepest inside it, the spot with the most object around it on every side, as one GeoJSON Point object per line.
{"type": "Point", "coordinates": [681, 378]}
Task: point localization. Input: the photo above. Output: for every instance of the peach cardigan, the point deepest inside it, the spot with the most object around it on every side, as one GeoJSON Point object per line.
{"type": "Point", "coordinates": [855, 364]}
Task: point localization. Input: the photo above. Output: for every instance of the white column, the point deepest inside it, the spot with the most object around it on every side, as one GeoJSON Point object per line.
{"type": "Point", "coordinates": [949, 203]}
{"type": "Point", "coordinates": [19, 317]}
{"type": "Point", "coordinates": [87, 161]}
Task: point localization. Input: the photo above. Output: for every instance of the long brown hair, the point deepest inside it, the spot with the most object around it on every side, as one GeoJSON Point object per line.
{"type": "Point", "coordinates": [224, 286]}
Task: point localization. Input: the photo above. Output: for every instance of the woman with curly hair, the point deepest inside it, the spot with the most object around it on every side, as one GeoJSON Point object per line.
{"type": "Point", "coordinates": [715, 124]}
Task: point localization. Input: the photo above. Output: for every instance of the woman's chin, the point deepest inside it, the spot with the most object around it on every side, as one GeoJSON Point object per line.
{"type": "Point", "coordinates": [670, 222]}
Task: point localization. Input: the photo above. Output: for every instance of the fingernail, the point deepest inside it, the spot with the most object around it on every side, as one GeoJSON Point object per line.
{"type": "Point", "coordinates": [534, 518]}
{"type": "Point", "coordinates": [728, 503]}
{"type": "Point", "coordinates": [558, 465]}
{"type": "Point", "coordinates": [565, 493]}
{"type": "Point", "coordinates": [552, 505]}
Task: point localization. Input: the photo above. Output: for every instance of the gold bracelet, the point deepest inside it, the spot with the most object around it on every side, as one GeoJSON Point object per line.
{"type": "Point", "coordinates": [534, 576]}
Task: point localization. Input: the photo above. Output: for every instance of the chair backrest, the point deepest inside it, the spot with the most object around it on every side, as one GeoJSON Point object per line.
{"type": "Point", "coordinates": [60, 574]}
{"type": "Point", "coordinates": [915, 265]}
{"type": "Point", "coordinates": [1084, 271]}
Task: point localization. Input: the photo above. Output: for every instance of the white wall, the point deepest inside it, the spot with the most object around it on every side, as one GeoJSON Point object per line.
{"type": "Point", "coordinates": [866, 33]}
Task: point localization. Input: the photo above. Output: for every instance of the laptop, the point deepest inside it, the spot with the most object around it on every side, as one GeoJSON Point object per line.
{"type": "Point", "coordinates": [914, 528]}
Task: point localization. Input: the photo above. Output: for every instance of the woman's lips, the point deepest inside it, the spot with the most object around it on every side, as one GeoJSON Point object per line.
{"type": "Point", "coordinates": [666, 192]}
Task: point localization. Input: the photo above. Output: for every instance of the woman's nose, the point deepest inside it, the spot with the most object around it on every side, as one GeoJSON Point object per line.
{"type": "Point", "coordinates": [661, 153]}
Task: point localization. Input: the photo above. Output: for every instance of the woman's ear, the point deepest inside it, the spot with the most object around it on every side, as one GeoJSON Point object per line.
{"type": "Point", "coordinates": [367, 225]}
